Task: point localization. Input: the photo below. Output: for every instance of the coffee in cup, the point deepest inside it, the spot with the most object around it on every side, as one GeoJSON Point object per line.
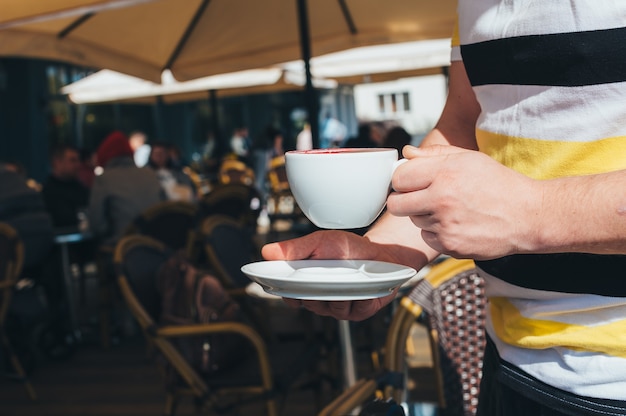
{"type": "Point", "coordinates": [341, 188]}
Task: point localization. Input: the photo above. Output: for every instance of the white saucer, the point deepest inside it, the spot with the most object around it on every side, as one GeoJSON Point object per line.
{"type": "Point", "coordinates": [328, 279]}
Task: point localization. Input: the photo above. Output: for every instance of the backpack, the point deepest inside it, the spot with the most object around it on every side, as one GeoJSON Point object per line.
{"type": "Point", "coordinates": [190, 296]}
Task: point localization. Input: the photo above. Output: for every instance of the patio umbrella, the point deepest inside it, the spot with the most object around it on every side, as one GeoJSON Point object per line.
{"type": "Point", "coordinates": [107, 86]}
{"type": "Point", "coordinates": [196, 38]}
{"type": "Point", "coordinates": [352, 66]}
{"type": "Point", "coordinates": [20, 12]}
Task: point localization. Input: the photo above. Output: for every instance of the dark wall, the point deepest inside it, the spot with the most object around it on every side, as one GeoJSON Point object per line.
{"type": "Point", "coordinates": [24, 115]}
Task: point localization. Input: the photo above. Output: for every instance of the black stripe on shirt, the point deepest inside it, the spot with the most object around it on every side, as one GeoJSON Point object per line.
{"type": "Point", "coordinates": [563, 272]}
{"type": "Point", "coordinates": [562, 59]}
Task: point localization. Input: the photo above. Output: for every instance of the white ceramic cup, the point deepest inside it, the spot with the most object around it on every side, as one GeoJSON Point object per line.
{"type": "Point", "coordinates": [341, 188]}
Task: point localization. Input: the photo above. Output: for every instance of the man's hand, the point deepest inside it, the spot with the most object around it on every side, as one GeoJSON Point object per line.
{"type": "Point", "coordinates": [467, 204]}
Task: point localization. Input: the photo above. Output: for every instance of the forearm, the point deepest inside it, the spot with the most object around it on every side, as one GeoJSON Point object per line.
{"type": "Point", "coordinates": [581, 214]}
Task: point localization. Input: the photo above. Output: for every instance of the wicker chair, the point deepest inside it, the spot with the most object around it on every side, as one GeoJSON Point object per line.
{"type": "Point", "coordinates": [228, 246]}
{"type": "Point", "coordinates": [11, 260]}
{"type": "Point", "coordinates": [137, 260]}
{"type": "Point", "coordinates": [450, 303]}
{"type": "Point", "coordinates": [236, 200]}
{"type": "Point", "coordinates": [233, 171]}
{"type": "Point", "coordinates": [171, 222]}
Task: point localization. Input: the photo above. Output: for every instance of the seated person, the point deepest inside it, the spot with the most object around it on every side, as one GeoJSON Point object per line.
{"type": "Point", "coordinates": [397, 138]}
{"type": "Point", "coordinates": [369, 135]}
{"type": "Point", "coordinates": [176, 184]}
{"type": "Point", "coordinates": [122, 192]}
{"type": "Point", "coordinates": [63, 193]}
{"type": "Point", "coordinates": [22, 207]}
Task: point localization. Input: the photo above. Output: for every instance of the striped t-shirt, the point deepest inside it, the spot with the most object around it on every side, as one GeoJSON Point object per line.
{"type": "Point", "coordinates": [550, 77]}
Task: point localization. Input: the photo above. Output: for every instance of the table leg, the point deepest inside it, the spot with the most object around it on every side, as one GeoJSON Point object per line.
{"type": "Point", "coordinates": [69, 290]}
{"type": "Point", "coordinates": [347, 354]}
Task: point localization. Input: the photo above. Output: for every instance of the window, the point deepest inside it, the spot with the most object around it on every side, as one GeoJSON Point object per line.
{"type": "Point", "coordinates": [394, 103]}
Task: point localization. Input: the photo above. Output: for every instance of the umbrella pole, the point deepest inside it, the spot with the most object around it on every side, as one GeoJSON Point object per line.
{"type": "Point", "coordinates": [310, 95]}
{"type": "Point", "coordinates": [215, 119]}
{"type": "Point", "coordinates": [157, 114]}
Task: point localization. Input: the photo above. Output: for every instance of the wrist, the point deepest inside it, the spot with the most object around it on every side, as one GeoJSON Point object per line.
{"type": "Point", "coordinates": [550, 218]}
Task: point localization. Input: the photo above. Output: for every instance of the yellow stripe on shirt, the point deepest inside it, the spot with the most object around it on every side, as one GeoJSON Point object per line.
{"type": "Point", "coordinates": [515, 329]}
{"type": "Point", "coordinates": [544, 159]}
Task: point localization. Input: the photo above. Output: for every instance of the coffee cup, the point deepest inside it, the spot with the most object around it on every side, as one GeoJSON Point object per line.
{"type": "Point", "coordinates": [341, 188]}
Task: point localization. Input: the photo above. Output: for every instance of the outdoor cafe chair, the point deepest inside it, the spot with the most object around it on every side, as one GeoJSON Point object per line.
{"type": "Point", "coordinates": [450, 303]}
{"type": "Point", "coordinates": [171, 222]}
{"type": "Point", "coordinates": [237, 200]}
{"type": "Point", "coordinates": [137, 260]}
{"type": "Point", "coordinates": [228, 246]}
{"type": "Point", "coordinates": [232, 170]}
{"type": "Point", "coordinates": [11, 261]}
{"type": "Point", "coordinates": [281, 204]}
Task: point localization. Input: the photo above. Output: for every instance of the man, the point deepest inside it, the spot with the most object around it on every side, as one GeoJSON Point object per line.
{"type": "Point", "coordinates": [122, 192]}
{"type": "Point", "coordinates": [333, 132]}
{"type": "Point", "coordinates": [141, 149]}
{"type": "Point", "coordinates": [63, 193]}
{"type": "Point", "coordinates": [240, 143]}
{"type": "Point", "coordinates": [23, 208]}
{"type": "Point", "coordinates": [370, 134]}
{"type": "Point", "coordinates": [176, 184]}
{"type": "Point", "coordinates": [524, 173]}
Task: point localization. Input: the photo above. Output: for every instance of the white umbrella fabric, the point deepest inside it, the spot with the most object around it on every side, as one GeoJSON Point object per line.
{"type": "Point", "coordinates": [351, 66]}
{"type": "Point", "coordinates": [111, 86]}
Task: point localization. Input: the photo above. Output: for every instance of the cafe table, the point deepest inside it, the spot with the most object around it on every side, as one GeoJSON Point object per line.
{"type": "Point", "coordinates": [63, 237]}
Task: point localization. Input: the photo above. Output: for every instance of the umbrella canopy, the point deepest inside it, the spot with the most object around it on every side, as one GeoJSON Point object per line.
{"type": "Point", "coordinates": [353, 66]}
{"type": "Point", "coordinates": [380, 63]}
{"type": "Point", "coordinates": [20, 12]}
{"type": "Point", "coordinates": [196, 38]}
{"type": "Point", "coordinates": [111, 86]}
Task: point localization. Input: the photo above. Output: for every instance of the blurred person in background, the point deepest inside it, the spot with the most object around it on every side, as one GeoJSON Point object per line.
{"type": "Point", "coordinates": [267, 146]}
{"type": "Point", "coordinates": [123, 190]}
{"type": "Point", "coordinates": [370, 134]}
{"type": "Point", "coordinates": [141, 149]}
{"type": "Point", "coordinates": [397, 138]}
{"type": "Point", "coordinates": [176, 184]}
{"type": "Point", "coordinates": [304, 140]}
{"type": "Point", "coordinates": [333, 132]}
{"type": "Point", "coordinates": [24, 209]}
{"type": "Point", "coordinates": [39, 321]}
{"type": "Point", "coordinates": [240, 143]}
{"type": "Point", "coordinates": [64, 195]}
{"type": "Point", "coordinates": [86, 170]}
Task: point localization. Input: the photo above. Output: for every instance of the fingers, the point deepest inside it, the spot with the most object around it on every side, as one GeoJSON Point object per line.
{"type": "Point", "coordinates": [344, 310]}
{"type": "Point", "coordinates": [421, 169]}
{"type": "Point", "coordinates": [273, 251]}
{"type": "Point", "coordinates": [404, 204]}
{"type": "Point", "coordinates": [295, 249]}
